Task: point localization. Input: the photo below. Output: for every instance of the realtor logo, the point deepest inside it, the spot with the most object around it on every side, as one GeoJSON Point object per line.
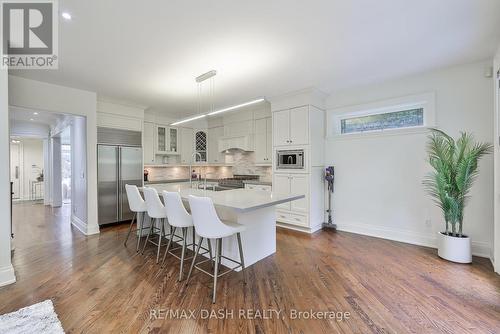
{"type": "Point", "coordinates": [29, 34]}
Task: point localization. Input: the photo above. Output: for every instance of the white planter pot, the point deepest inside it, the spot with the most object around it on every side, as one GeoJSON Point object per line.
{"type": "Point", "coordinates": [454, 248]}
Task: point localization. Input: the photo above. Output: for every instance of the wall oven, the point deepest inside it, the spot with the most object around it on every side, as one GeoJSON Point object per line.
{"type": "Point", "coordinates": [290, 159]}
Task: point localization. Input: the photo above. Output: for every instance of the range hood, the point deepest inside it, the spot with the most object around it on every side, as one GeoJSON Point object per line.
{"type": "Point", "coordinates": [243, 143]}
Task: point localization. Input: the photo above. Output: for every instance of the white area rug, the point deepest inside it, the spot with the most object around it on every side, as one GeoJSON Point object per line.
{"type": "Point", "coordinates": [37, 318]}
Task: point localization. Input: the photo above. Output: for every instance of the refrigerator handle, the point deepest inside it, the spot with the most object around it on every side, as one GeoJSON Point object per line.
{"type": "Point", "coordinates": [119, 182]}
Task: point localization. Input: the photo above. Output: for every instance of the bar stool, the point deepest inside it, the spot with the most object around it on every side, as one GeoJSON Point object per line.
{"type": "Point", "coordinates": [137, 206]}
{"type": "Point", "coordinates": [178, 217]}
{"type": "Point", "coordinates": [208, 225]}
{"type": "Point", "coordinates": [156, 211]}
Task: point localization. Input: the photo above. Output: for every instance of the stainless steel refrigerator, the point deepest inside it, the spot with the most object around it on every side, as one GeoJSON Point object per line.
{"type": "Point", "coordinates": [119, 159]}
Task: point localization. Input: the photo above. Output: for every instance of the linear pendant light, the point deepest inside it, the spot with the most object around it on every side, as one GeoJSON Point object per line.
{"type": "Point", "coordinates": [188, 119]}
{"type": "Point", "coordinates": [219, 111]}
{"type": "Point", "coordinates": [235, 107]}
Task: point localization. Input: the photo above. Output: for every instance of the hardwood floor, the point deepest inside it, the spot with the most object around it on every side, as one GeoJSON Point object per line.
{"type": "Point", "coordinates": [99, 286]}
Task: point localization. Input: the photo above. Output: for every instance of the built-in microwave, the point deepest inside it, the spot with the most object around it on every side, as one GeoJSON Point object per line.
{"type": "Point", "coordinates": [290, 159]}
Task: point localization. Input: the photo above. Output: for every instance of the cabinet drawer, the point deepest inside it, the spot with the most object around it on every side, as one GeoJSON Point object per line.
{"type": "Point", "coordinates": [291, 218]}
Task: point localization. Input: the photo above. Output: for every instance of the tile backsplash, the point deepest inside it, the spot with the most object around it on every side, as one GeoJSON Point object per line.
{"type": "Point", "coordinates": [242, 163]}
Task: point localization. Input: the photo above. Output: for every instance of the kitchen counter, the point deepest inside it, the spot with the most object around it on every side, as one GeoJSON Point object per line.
{"type": "Point", "coordinates": [240, 200]}
{"type": "Point", "coordinates": [256, 209]}
{"type": "Point", "coordinates": [177, 181]}
{"type": "Point", "coordinates": [262, 183]}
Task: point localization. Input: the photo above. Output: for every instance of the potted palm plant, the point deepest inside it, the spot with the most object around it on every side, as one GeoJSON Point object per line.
{"type": "Point", "coordinates": [454, 169]}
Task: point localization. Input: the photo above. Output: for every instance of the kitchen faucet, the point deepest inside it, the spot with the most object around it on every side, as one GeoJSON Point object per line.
{"type": "Point", "coordinates": [193, 159]}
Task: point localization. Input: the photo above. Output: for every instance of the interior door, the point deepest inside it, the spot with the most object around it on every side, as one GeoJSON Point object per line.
{"type": "Point", "coordinates": [281, 128]}
{"type": "Point", "coordinates": [131, 172]}
{"type": "Point", "coordinates": [107, 184]}
{"type": "Point", "coordinates": [15, 170]}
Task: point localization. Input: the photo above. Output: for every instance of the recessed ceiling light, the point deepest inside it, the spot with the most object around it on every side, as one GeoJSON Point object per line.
{"type": "Point", "coordinates": [35, 113]}
{"type": "Point", "coordinates": [66, 15]}
{"type": "Point", "coordinates": [31, 119]}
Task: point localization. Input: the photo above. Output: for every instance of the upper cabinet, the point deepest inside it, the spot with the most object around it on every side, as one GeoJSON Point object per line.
{"type": "Point", "coordinates": [148, 143]}
{"type": "Point", "coordinates": [291, 127]}
{"type": "Point", "coordinates": [167, 140]}
{"type": "Point", "coordinates": [186, 145]}
{"type": "Point", "coordinates": [214, 155]}
{"type": "Point", "coordinates": [263, 141]}
{"type": "Point", "coordinates": [200, 145]}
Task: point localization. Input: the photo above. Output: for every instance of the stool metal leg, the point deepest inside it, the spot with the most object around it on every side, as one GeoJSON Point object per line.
{"type": "Point", "coordinates": [184, 241]}
{"type": "Point", "coordinates": [194, 259]}
{"type": "Point", "coordinates": [130, 228]}
{"type": "Point", "coordinates": [149, 233]}
{"type": "Point", "coordinates": [209, 243]}
{"type": "Point", "coordinates": [140, 231]}
{"type": "Point", "coordinates": [218, 247]}
{"type": "Point", "coordinates": [172, 232]}
{"type": "Point", "coordinates": [194, 238]}
{"type": "Point", "coordinates": [159, 240]}
{"type": "Point", "coordinates": [241, 258]}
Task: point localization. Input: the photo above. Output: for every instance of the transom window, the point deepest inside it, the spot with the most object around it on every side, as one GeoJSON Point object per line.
{"type": "Point", "coordinates": [399, 115]}
{"type": "Point", "coordinates": [388, 120]}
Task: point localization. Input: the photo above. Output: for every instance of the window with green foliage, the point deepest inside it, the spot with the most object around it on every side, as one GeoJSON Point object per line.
{"type": "Point", "coordinates": [388, 120]}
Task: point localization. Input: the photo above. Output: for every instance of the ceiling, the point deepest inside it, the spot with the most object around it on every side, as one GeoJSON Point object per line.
{"type": "Point", "coordinates": [49, 119]}
{"type": "Point", "coordinates": [148, 53]}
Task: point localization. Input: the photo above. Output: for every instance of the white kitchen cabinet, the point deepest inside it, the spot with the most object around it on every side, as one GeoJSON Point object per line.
{"type": "Point", "coordinates": [281, 128]}
{"type": "Point", "coordinates": [291, 127]}
{"type": "Point", "coordinates": [167, 140]}
{"type": "Point", "coordinates": [148, 144]}
{"type": "Point", "coordinates": [214, 155]}
{"type": "Point", "coordinates": [187, 145]}
{"type": "Point", "coordinates": [200, 145]}
{"type": "Point", "coordinates": [281, 186]}
{"type": "Point", "coordinates": [263, 141]}
{"type": "Point", "coordinates": [295, 212]}
{"type": "Point", "coordinates": [299, 184]}
{"type": "Point", "coordinates": [262, 187]}
{"type": "Point", "coordinates": [299, 126]}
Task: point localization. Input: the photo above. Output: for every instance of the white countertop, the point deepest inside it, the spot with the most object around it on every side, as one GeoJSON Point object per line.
{"type": "Point", "coordinates": [242, 200]}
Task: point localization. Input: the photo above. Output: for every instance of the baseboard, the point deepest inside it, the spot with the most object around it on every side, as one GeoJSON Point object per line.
{"type": "Point", "coordinates": [7, 275]}
{"type": "Point", "coordinates": [309, 230]}
{"type": "Point", "coordinates": [481, 249]}
{"type": "Point", "coordinates": [83, 227]}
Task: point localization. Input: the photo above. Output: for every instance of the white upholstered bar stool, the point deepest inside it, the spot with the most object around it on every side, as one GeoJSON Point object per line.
{"type": "Point", "coordinates": [178, 217]}
{"type": "Point", "coordinates": [138, 207]}
{"type": "Point", "coordinates": [208, 225]}
{"type": "Point", "coordinates": [156, 211]}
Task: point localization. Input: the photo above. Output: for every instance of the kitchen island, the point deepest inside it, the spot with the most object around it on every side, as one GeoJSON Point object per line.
{"type": "Point", "coordinates": [255, 209]}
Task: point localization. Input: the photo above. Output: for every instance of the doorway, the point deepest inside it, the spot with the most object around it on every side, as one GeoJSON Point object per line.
{"type": "Point", "coordinates": [15, 163]}
{"type": "Point", "coordinates": [43, 152]}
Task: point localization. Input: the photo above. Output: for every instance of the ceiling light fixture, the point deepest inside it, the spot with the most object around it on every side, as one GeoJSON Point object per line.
{"type": "Point", "coordinates": [66, 16]}
{"type": "Point", "coordinates": [31, 119]}
{"type": "Point", "coordinates": [235, 107]}
{"type": "Point", "coordinates": [35, 113]}
{"type": "Point", "coordinates": [210, 77]}
{"type": "Point", "coordinates": [188, 119]}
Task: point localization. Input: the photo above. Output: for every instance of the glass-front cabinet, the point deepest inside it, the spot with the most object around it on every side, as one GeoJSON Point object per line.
{"type": "Point", "coordinates": [167, 140]}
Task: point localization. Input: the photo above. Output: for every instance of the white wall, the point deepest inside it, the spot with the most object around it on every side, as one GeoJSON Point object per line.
{"type": "Point", "coordinates": [379, 178]}
{"type": "Point", "coordinates": [7, 275]}
{"type": "Point", "coordinates": [78, 171]}
{"type": "Point", "coordinates": [38, 95]}
{"type": "Point", "coordinates": [496, 69]}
